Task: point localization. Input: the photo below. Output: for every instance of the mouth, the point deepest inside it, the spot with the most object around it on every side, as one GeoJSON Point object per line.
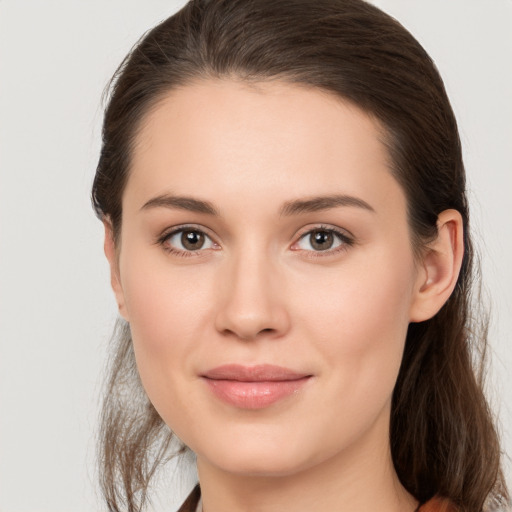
{"type": "Point", "coordinates": [254, 387]}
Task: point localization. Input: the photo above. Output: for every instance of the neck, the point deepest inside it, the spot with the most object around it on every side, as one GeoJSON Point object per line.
{"type": "Point", "coordinates": [358, 479]}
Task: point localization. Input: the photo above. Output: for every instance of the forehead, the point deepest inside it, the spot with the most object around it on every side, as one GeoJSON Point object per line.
{"type": "Point", "coordinates": [230, 139]}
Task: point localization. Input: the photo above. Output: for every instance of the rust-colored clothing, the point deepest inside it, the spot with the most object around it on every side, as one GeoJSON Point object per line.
{"type": "Point", "coordinates": [438, 505]}
{"type": "Point", "coordinates": [433, 505]}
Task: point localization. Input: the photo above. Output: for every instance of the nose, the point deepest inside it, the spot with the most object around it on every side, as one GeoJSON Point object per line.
{"type": "Point", "coordinates": [252, 299]}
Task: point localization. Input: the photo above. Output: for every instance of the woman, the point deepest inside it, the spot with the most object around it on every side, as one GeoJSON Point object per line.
{"type": "Point", "coordinates": [283, 195]}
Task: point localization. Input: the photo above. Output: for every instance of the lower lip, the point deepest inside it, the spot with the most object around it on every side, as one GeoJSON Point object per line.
{"type": "Point", "coordinates": [256, 394]}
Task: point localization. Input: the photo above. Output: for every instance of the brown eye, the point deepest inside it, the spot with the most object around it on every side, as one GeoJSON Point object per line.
{"type": "Point", "coordinates": [192, 240]}
{"type": "Point", "coordinates": [321, 240]}
{"type": "Point", "coordinates": [187, 241]}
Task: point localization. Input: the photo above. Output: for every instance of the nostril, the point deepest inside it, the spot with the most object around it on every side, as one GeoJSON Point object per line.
{"type": "Point", "coordinates": [258, 334]}
{"type": "Point", "coordinates": [251, 319]}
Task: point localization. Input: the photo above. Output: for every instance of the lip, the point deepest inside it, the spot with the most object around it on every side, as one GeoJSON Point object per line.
{"type": "Point", "coordinates": [254, 387]}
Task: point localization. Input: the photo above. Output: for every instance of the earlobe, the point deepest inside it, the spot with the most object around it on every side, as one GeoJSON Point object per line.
{"type": "Point", "coordinates": [440, 267]}
{"type": "Point", "coordinates": [111, 254]}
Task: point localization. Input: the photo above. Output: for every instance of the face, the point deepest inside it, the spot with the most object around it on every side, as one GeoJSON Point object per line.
{"type": "Point", "coordinates": [266, 269]}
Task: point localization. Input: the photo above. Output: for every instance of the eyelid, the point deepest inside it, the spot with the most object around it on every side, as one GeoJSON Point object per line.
{"type": "Point", "coordinates": [171, 231]}
{"type": "Point", "coordinates": [347, 239]}
{"type": "Point", "coordinates": [324, 227]}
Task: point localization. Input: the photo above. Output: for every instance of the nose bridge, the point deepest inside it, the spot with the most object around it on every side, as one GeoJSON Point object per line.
{"type": "Point", "coordinates": [252, 302]}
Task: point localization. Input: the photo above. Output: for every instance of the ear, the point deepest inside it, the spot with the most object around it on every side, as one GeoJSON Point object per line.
{"type": "Point", "coordinates": [112, 257]}
{"type": "Point", "coordinates": [439, 268]}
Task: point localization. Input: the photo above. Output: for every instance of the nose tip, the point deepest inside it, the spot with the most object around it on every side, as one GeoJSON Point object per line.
{"type": "Point", "coordinates": [251, 320]}
{"type": "Point", "coordinates": [249, 326]}
{"type": "Point", "coordinates": [251, 305]}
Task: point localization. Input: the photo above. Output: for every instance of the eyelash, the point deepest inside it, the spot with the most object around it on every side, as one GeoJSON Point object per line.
{"type": "Point", "coordinates": [164, 238]}
{"type": "Point", "coordinates": [345, 240]}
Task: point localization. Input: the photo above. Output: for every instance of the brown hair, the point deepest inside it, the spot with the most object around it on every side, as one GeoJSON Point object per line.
{"type": "Point", "coordinates": [443, 440]}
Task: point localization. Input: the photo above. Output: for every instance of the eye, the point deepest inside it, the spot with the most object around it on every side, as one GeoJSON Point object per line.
{"type": "Point", "coordinates": [322, 240]}
{"type": "Point", "coordinates": [186, 240]}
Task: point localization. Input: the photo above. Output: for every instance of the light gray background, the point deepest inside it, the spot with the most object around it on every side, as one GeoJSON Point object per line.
{"type": "Point", "coordinates": [56, 307]}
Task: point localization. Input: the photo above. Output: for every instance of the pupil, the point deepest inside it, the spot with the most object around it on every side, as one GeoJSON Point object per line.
{"type": "Point", "coordinates": [192, 240]}
{"type": "Point", "coordinates": [321, 240]}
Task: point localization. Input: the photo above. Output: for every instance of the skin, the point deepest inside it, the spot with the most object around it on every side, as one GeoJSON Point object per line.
{"type": "Point", "coordinates": [259, 292]}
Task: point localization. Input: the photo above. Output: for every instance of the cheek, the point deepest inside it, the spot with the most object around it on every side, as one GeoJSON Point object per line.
{"type": "Point", "coordinates": [359, 317]}
{"type": "Point", "coordinates": [167, 308]}
{"type": "Point", "coordinates": [163, 299]}
{"type": "Point", "coordinates": [372, 293]}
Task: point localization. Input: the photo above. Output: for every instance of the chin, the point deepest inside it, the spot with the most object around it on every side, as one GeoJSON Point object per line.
{"type": "Point", "coordinates": [261, 458]}
{"type": "Point", "coordinates": [275, 466]}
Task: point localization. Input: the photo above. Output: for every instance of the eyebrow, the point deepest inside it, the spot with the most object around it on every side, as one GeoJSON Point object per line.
{"type": "Point", "coordinates": [181, 203]}
{"type": "Point", "coordinates": [295, 207]}
{"type": "Point", "coordinates": [316, 204]}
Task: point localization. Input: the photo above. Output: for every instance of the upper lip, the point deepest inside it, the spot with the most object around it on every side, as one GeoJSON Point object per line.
{"type": "Point", "coordinates": [256, 373]}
